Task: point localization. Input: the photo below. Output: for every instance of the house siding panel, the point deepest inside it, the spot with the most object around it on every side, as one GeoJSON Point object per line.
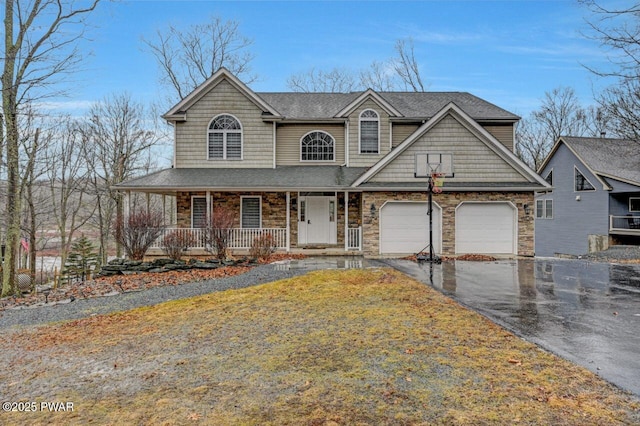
{"type": "Point", "coordinates": [573, 221]}
{"type": "Point", "coordinates": [402, 132]}
{"type": "Point", "coordinates": [288, 143]}
{"type": "Point", "coordinates": [365, 160]}
{"type": "Point", "coordinates": [257, 143]}
{"type": "Point", "coordinates": [473, 161]}
{"type": "Point", "coordinates": [502, 132]}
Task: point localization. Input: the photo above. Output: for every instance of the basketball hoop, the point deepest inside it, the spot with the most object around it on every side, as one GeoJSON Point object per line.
{"type": "Point", "coordinates": [437, 182]}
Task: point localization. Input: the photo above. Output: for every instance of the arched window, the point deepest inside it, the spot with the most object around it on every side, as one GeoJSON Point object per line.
{"type": "Point", "coordinates": [225, 138]}
{"type": "Point", "coordinates": [369, 132]}
{"type": "Point", "coordinates": [317, 146]}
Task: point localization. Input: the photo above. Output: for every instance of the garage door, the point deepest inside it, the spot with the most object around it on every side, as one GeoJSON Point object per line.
{"type": "Point", "coordinates": [404, 227]}
{"type": "Point", "coordinates": [486, 228]}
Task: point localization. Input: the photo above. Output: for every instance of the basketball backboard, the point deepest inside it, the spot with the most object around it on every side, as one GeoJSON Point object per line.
{"type": "Point", "coordinates": [429, 163]}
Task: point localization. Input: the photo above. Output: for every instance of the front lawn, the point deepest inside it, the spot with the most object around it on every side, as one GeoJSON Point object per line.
{"type": "Point", "coordinates": [331, 347]}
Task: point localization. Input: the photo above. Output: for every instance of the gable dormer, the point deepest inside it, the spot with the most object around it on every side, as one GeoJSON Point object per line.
{"type": "Point", "coordinates": [369, 128]}
{"type": "Point", "coordinates": [221, 124]}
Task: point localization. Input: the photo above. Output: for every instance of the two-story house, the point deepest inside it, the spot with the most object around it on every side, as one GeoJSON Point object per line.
{"type": "Point", "coordinates": [596, 196]}
{"type": "Point", "coordinates": [337, 171]}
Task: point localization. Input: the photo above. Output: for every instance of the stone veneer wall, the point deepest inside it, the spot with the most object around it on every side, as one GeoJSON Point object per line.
{"type": "Point", "coordinates": [274, 213]}
{"type": "Point", "coordinates": [448, 202]}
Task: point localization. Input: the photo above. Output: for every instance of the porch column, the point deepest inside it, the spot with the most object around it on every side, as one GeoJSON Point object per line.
{"type": "Point", "coordinates": [288, 198]}
{"type": "Point", "coordinates": [346, 220]}
{"type": "Point", "coordinates": [208, 201]}
{"type": "Point", "coordinates": [127, 204]}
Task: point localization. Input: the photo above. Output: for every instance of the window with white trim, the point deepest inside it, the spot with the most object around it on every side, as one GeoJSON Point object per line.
{"type": "Point", "coordinates": [581, 182]}
{"type": "Point", "coordinates": [225, 138]}
{"type": "Point", "coordinates": [317, 146]}
{"type": "Point", "coordinates": [544, 209]}
{"type": "Point", "coordinates": [250, 212]}
{"type": "Point", "coordinates": [634, 204]}
{"type": "Point", "coordinates": [198, 212]}
{"type": "Point", "coordinates": [369, 132]}
{"type": "Point", "coordinates": [549, 177]}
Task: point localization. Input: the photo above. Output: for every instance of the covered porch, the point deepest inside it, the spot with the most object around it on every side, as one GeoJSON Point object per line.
{"type": "Point", "coordinates": [313, 222]}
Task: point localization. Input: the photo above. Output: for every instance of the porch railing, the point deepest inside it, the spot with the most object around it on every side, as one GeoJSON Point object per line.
{"type": "Point", "coordinates": [624, 224]}
{"type": "Point", "coordinates": [240, 238]}
{"type": "Point", "coordinates": [354, 238]}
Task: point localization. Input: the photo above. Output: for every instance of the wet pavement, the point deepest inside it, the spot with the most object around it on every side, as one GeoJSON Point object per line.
{"type": "Point", "coordinates": [586, 312]}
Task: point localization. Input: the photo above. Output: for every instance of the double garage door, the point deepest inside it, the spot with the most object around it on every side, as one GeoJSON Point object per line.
{"type": "Point", "coordinates": [480, 228]}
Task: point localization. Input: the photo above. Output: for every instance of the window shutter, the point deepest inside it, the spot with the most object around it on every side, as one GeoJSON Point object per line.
{"type": "Point", "coordinates": [369, 137]}
{"type": "Point", "coordinates": [234, 146]}
{"type": "Point", "coordinates": [216, 145]}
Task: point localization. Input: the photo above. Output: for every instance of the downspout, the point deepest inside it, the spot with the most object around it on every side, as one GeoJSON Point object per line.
{"type": "Point", "coordinates": [346, 142]}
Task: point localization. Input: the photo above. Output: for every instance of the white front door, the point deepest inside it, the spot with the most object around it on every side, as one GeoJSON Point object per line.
{"type": "Point", "coordinates": [317, 220]}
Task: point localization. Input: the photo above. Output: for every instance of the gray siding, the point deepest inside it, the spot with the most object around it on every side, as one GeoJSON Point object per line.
{"type": "Point", "coordinates": [402, 131]}
{"type": "Point", "coordinates": [573, 221]}
{"type": "Point", "coordinates": [191, 135]}
{"type": "Point", "coordinates": [288, 143]}
{"type": "Point", "coordinates": [502, 132]}
{"type": "Point", "coordinates": [366, 160]}
{"type": "Point", "coordinates": [473, 160]}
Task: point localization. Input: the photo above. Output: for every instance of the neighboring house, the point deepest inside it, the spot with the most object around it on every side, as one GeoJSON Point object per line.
{"type": "Point", "coordinates": [595, 200]}
{"type": "Point", "coordinates": [335, 171]}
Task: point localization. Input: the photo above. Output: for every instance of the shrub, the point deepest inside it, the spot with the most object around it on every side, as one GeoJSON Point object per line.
{"type": "Point", "coordinates": [263, 246]}
{"type": "Point", "coordinates": [137, 232]}
{"type": "Point", "coordinates": [177, 242]}
{"type": "Point", "coordinates": [217, 233]}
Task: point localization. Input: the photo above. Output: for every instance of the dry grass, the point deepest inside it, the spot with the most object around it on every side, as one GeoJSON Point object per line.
{"type": "Point", "coordinates": [330, 347]}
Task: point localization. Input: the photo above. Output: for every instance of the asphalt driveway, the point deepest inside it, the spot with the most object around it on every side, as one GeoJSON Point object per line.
{"type": "Point", "coordinates": [586, 312]}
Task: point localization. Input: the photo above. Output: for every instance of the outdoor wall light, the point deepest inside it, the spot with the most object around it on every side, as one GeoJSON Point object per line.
{"type": "Point", "coordinates": [373, 210]}
{"type": "Point", "coordinates": [527, 209]}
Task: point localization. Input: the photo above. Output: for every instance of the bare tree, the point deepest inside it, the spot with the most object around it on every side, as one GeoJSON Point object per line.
{"type": "Point", "coordinates": [618, 31]}
{"type": "Point", "coordinates": [621, 104]}
{"type": "Point", "coordinates": [402, 71]}
{"type": "Point", "coordinates": [533, 143]}
{"type": "Point", "coordinates": [617, 28]}
{"type": "Point", "coordinates": [338, 80]}
{"type": "Point", "coordinates": [379, 76]}
{"type": "Point", "coordinates": [68, 179]}
{"type": "Point", "coordinates": [189, 56]}
{"type": "Point", "coordinates": [407, 67]}
{"type": "Point", "coordinates": [119, 136]}
{"type": "Point", "coordinates": [559, 115]}
{"type": "Point", "coordinates": [39, 50]}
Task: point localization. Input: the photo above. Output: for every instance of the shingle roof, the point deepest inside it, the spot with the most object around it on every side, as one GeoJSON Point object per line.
{"type": "Point", "coordinates": [285, 177]}
{"type": "Point", "coordinates": [422, 105]}
{"type": "Point", "coordinates": [618, 158]}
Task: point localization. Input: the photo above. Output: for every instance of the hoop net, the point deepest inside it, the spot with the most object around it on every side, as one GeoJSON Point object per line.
{"type": "Point", "coordinates": [438, 182]}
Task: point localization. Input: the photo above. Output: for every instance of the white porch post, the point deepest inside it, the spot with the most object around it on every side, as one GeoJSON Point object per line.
{"type": "Point", "coordinates": [346, 220]}
{"type": "Point", "coordinates": [288, 198]}
{"type": "Point", "coordinates": [127, 205]}
{"type": "Point", "coordinates": [209, 212]}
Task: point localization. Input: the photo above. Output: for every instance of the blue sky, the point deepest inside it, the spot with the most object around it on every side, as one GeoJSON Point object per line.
{"type": "Point", "coordinates": [507, 52]}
